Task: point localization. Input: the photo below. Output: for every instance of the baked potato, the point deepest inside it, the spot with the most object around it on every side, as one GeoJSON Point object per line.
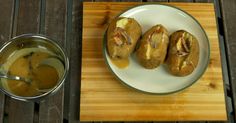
{"type": "Point", "coordinates": [183, 53]}
{"type": "Point", "coordinates": [122, 36]}
{"type": "Point", "coordinates": [153, 47]}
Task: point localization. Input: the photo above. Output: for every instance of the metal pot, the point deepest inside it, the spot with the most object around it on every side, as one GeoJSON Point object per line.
{"type": "Point", "coordinates": [34, 41]}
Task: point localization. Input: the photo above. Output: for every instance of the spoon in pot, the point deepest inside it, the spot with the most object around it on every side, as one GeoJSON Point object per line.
{"type": "Point", "coordinates": [13, 77]}
{"type": "Point", "coordinates": [26, 80]}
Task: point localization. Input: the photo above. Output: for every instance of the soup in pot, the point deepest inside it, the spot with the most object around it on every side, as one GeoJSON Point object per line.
{"type": "Point", "coordinates": [42, 67]}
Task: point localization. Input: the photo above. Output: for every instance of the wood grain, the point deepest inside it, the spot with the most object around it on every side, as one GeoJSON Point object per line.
{"type": "Point", "coordinates": [20, 110]}
{"type": "Point", "coordinates": [74, 38]}
{"type": "Point", "coordinates": [228, 12]}
{"type": "Point", "coordinates": [202, 122]}
{"type": "Point", "coordinates": [6, 22]}
{"type": "Point", "coordinates": [180, 0]}
{"type": "Point", "coordinates": [105, 98]}
{"type": "Point", "coordinates": [26, 21]}
{"type": "Point", "coordinates": [104, 1]}
{"type": "Point", "coordinates": [205, 1]}
{"type": "Point", "coordinates": [130, 0]}
{"type": "Point", "coordinates": [51, 110]}
{"type": "Point", "coordinates": [157, 0]}
{"type": "Point", "coordinates": [2, 102]}
{"type": "Point", "coordinates": [28, 18]}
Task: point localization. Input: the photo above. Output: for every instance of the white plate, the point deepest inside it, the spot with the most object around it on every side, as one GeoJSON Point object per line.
{"type": "Point", "coordinates": [158, 80]}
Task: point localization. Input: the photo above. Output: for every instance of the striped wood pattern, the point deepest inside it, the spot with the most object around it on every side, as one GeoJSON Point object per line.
{"type": "Point", "coordinates": [229, 15]}
{"type": "Point", "coordinates": [5, 34]}
{"type": "Point", "coordinates": [103, 98]}
{"type": "Point", "coordinates": [25, 21]}
{"type": "Point", "coordinates": [51, 110]}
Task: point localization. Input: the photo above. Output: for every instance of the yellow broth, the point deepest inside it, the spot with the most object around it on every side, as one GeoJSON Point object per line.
{"type": "Point", "coordinates": [42, 76]}
{"type": "Point", "coordinates": [120, 63]}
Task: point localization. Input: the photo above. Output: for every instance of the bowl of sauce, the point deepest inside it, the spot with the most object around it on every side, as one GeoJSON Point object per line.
{"type": "Point", "coordinates": [37, 58]}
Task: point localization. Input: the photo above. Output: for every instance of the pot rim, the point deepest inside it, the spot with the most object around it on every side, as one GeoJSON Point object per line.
{"type": "Point", "coordinates": [60, 82]}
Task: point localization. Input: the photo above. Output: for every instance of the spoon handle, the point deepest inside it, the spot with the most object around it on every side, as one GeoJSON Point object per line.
{"type": "Point", "coordinates": [5, 76]}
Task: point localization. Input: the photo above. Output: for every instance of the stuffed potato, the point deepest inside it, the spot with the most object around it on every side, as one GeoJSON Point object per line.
{"type": "Point", "coordinates": [183, 53]}
{"type": "Point", "coordinates": [122, 36]}
{"type": "Point", "coordinates": [153, 47]}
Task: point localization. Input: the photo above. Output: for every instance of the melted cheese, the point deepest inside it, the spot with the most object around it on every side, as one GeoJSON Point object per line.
{"type": "Point", "coordinates": [148, 52]}
{"type": "Point", "coordinates": [122, 23]}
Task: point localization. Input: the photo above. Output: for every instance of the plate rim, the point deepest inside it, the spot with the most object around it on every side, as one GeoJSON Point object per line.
{"type": "Point", "coordinates": [104, 50]}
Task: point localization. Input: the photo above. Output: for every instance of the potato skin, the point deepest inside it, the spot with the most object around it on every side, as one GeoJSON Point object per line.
{"type": "Point", "coordinates": [153, 47]}
{"type": "Point", "coordinates": [183, 53]}
{"type": "Point", "coordinates": [132, 29]}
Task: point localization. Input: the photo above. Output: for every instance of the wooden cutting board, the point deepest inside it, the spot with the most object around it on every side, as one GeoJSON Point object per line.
{"type": "Point", "coordinates": [104, 98]}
